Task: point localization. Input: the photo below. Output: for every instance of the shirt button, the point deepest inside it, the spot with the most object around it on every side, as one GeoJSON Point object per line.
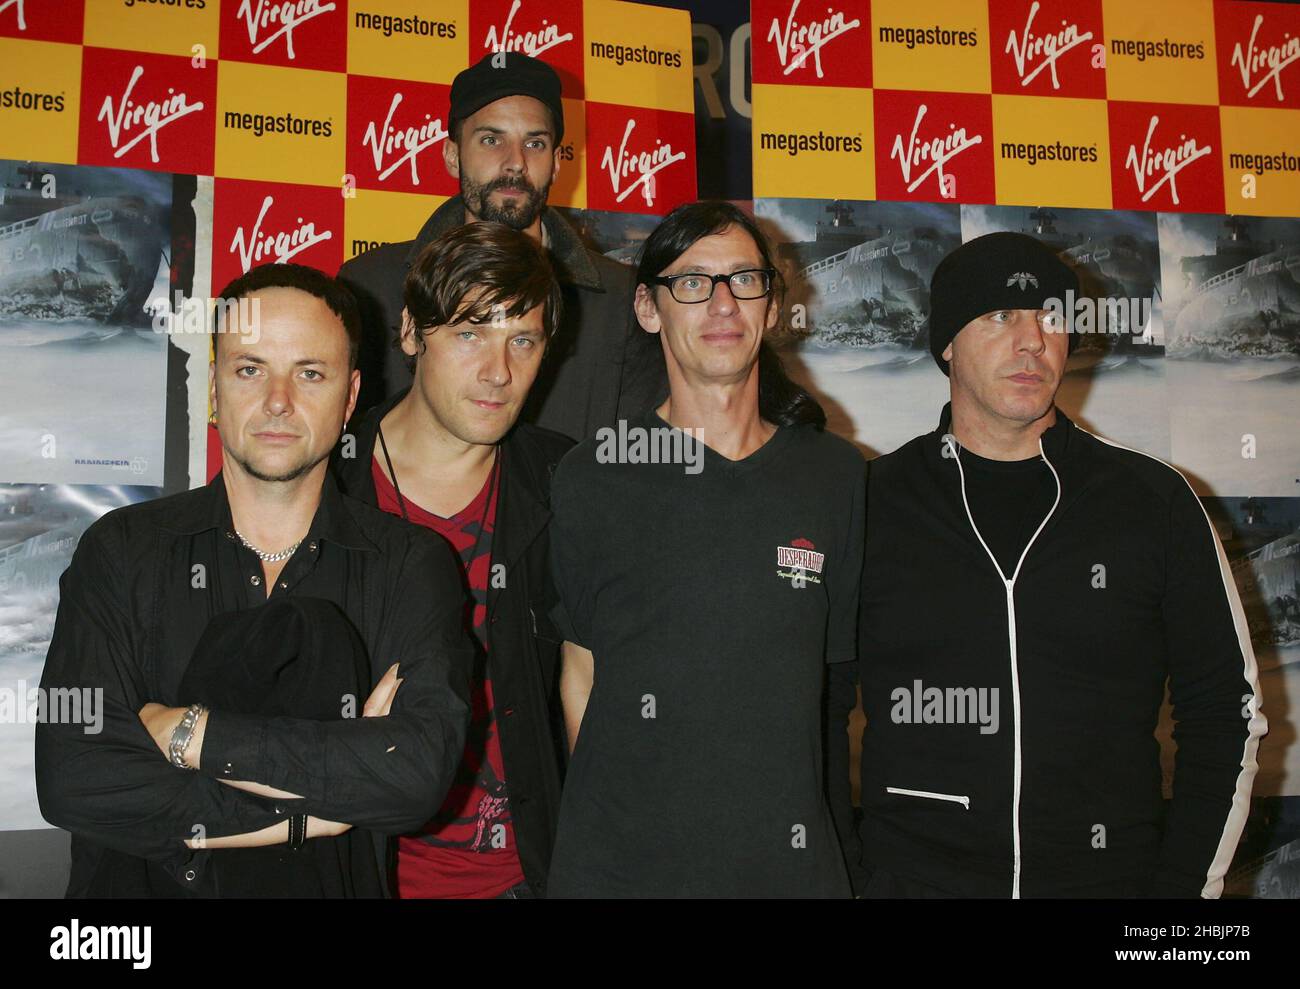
{"type": "Point", "coordinates": [283, 584]}
{"type": "Point", "coordinates": [255, 580]}
{"type": "Point", "coordinates": [189, 875]}
{"type": "Point", "coordinates": [492, 620]}
{"type": "Point", "coordinates": [312, 547]}
{"type": "Point", "coordinates": [230, 535]}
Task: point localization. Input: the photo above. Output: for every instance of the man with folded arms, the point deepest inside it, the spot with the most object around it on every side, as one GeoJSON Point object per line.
{"type": "Point", "coordinates": [168, 784]}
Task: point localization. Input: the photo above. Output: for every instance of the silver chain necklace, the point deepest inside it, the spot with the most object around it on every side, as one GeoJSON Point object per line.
{"type": "Point", "coordinates": [266, 557]}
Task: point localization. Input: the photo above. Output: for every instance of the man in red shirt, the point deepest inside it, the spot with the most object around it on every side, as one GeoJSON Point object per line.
{"type": "Point", "coordinates": [481, 303]}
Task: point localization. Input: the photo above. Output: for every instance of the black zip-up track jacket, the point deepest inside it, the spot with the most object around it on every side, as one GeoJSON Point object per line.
{"type": "Point", "coordinates": [1064, 799]}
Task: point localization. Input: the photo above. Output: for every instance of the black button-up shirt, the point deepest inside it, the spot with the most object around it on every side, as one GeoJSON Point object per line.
{"type": "Point", "coordinates": [143, 584]}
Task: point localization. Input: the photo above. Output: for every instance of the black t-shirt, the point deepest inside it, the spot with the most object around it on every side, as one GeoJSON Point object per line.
{"type": "Point", "coordinates": [1008, 500]}
{"type": "Point", "coordinates": [710, 601]}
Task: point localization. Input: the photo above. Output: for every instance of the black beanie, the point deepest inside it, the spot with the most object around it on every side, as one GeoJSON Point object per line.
{"type": "Point", "coordinates": [996, 271]}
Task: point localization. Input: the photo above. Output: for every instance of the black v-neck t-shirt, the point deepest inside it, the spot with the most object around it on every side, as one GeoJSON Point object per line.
{"type": "Point", "coordinates": [711, 602]}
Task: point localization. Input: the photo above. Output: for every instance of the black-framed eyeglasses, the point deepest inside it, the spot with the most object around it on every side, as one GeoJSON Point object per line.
{"type": "Point", "coordinates": [696, 286]}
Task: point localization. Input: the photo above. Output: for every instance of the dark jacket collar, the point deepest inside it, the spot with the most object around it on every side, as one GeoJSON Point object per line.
{"type": "Point", "coordinates": [209, 508]}
{"type": "Point", "coordinates": [1056, 439]}
{"type": "Point", "coordinates": [572, 260]}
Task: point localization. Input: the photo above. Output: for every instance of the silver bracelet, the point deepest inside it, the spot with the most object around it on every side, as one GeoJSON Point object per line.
{"type": "Point", "coordinates": [182, 734]}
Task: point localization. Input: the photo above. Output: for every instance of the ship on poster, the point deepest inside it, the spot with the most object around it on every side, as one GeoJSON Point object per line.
{"type": "Point", "coordinates": [1232, 310]}
{"type": "Point", "coordinates": [1114, 382]}
{"type": "Point", "coordinates": [857, 300]}
{"type": "Point", "coordinates": [84, 256]}
{"type": "Point", "coordinates": [40, 525]}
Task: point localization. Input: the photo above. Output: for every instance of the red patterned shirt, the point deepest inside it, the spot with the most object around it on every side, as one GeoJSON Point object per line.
{"type": "Point", "coordinates": [468, 849]}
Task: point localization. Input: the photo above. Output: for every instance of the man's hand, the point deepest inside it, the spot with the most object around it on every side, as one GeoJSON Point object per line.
{"type": "Point", "coordinates": [161, 721]}
{"type": "Point", "coordinates": [380, 700]}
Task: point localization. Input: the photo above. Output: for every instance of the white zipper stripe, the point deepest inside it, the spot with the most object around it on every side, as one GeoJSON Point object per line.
{"type": "Point", "coordinates": [1010, 585]}
{"type": "Point", "coordinates": [1257, 725]}
{"type": "Point", "coordinates": [964, 801]}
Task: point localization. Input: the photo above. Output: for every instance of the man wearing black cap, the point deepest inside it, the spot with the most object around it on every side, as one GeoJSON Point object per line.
{"type": "Point", "coordinates": [1028, 592]}
{"type": "Point", "coordinates": [505, 127]}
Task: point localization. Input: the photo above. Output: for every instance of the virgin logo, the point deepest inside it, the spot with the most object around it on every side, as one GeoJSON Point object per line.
{"type": "Point", "coordinates": [938, 152]}
{"type": "Point", "coordinates": [283, 17]}
{"type": "Point", "coordinates": [279, 247]}
{"type": "Point", "coordinates": [1048, 47]}
{"type": "Point", "coordinates": [130, 115]}
{"type": "Point", "coordinates": [1165, 162]}
{"type": "Point", "coordinates": [410, 141]}
{"type": "Point", "coordinates": [1274, 58]}
{"type": "Point", "coordinates": [22, 20]}
{"type": "Point", "coordinates": [802, 40]}
{"type": "Point", "coordinates": [531, 43]}
{"type": "Point", "coordinates": [641, 167]}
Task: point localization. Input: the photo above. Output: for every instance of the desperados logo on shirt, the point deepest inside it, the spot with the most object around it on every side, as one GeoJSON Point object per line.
{"type": "Point", "coordinates": [801, 561]}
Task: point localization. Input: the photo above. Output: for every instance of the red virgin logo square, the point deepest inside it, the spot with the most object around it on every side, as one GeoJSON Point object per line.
{"type": "Point", "coordinates": [934, 147]}
{"type": "Point", "coordinates": [812, 44]}
{"type": "Point", "coordinates": [550, 30]}
{"type": "Point", "coordinates": [257, 223]}
{"type": "Point", "coordinates": [304, 34]}
{"type": "Point", "coordinates": [395, 135]}
{"type": "Point", "coordinates": [1258, 50]}
{"type": "Point", "coordinates": [1048, 48]}
{"type": "Point", "coordinates": [1165, 157]}
{"type": "Point", "coordinates": [639, 160]}
{"type": "Point", "coordinates": [147, 111]}
{"type": "Point", "coordinates": [40, 20]}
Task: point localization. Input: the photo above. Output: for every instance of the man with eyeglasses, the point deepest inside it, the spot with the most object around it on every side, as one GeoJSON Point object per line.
{"type": "Point", "coordinates": [707, 568]}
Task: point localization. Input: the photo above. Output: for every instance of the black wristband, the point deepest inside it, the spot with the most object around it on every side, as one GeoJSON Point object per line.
{"type": "Point", "coordinates": [297, 830]}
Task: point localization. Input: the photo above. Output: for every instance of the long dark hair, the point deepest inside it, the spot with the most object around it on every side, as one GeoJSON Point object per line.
{"type": "Point", "coordinates": [780, 400]}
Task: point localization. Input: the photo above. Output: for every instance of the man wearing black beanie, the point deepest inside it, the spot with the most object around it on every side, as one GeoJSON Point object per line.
{"type": "Point", "coordinates": [1028, 592]}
